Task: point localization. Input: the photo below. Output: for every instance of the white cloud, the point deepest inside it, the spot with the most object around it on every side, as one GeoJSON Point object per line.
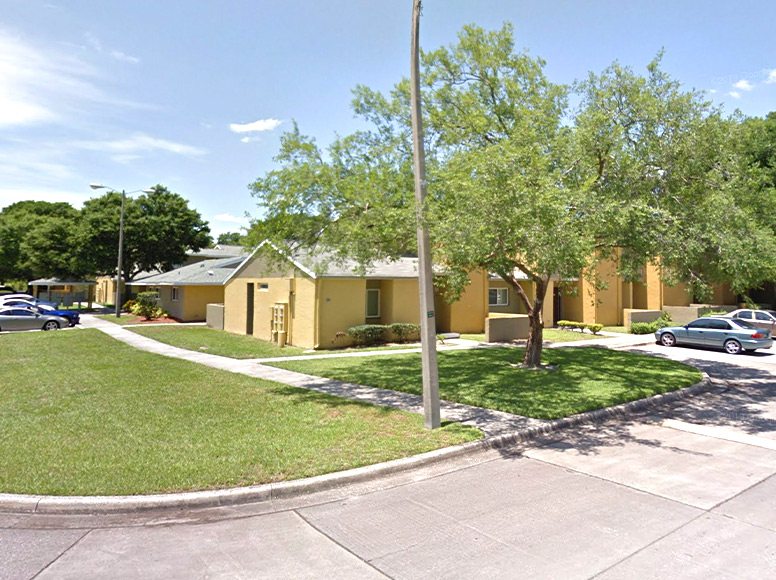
{"type": "Point", "coordinates": [96, 44]}
{"type": "Point", "coordinates": [132, 147]}
{"type": "Point", "coordinates": [40, 85]}
{"type": "Point", "coordinates": [712, 91]}
{"type": "Point", "coordinates": [744, 85]}
{"type": "Point", "coordinates": [771, 77]}
{"type": "Point", "coordinates": [735, 94]}
{"type": "Point", "coordinates": [260, 125]}
{"type": "Point", "coordinates": [118, 55]}
{"type": "Point", "coordinates": [225, 217]}
{"type": "Point", "coordinates": [249, 140]}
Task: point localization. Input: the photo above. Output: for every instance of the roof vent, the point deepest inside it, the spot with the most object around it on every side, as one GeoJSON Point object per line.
{"type": "Point", "coordinates": [210, 272]}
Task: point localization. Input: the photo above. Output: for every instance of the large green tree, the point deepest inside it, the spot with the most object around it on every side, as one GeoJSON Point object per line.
{"type": "Point", "coordinates": [671, 185]}
{"type": "Point", "coordinates": [524, 187]}
{"type": "Point", "coordinates": [159, 227]}
{"type": "Point", "coordinates": [37, 240]}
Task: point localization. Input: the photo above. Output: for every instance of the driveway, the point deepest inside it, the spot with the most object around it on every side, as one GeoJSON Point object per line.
{"type": "Point", "coordinates": [681, 492]}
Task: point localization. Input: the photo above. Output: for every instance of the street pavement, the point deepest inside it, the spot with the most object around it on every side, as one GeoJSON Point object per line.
{"type": "Point", "coordinates": [686, 490]}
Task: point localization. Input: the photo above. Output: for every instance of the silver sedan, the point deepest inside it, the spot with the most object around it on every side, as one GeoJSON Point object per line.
{"type": "Point", "coordinates": [25, 319]}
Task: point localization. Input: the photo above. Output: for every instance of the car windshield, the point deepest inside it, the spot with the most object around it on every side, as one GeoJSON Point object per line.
{"type": "Point", "coordinates": [745, 324]}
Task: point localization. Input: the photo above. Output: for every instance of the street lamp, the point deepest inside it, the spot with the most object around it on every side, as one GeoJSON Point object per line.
{"type": "Point", "coordinates": [121, 238]}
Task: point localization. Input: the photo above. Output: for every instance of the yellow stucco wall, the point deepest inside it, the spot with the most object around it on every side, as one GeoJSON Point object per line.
{"type": "Point", "coordinates": [724, 295]}
{"type": "Point", "coordinates": [675, 296]}
{"type": "Point", "coordinates": [515, 305]}
{"type": "Point", "coordinates": [341, 304]}
{"type": "Point", "coordinates": [608, 300]}
{"type": "Point", "coordinates": [468, 314]}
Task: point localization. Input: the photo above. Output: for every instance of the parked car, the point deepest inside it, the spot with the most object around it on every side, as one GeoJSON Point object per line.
{"type": "Point", "coordinates": [760, 318]}
{"type": "Point", "coordinates": [15, 318]}
{"type": "Point", "coordinates": [17, 295]}
{"type": "Point", "coordinates": [732, 334]}
{"type": "Point", "coordinates": [72, 316]}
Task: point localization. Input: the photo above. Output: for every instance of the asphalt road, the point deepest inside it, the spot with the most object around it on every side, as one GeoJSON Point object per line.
{"type": "Point", "coordinates": [681, 492]}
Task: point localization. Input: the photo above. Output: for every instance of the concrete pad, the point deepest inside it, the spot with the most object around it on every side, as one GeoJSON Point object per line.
{"type": "Point", "coordinates": [710, 547]}
{"type": "Point", "coordinates": [756, 506]}
{"type": "Point", "coordinates": [507, 519]}
{"type": "Point", "coordinates": [23, 553]}
{"type": "Point", "coordinates": [271, 546]}
{"type": "Point", "coordinates": [689, 468]}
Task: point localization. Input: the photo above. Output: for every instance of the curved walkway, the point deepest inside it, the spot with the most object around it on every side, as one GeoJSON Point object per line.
{"type": "Point", "coordinates": [490, 422]}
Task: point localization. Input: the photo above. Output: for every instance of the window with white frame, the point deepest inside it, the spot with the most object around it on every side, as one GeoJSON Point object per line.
{"type": "Point", "coordinates": [498, 297]}
{"type": "Point", "coordinates": [372, 303]}
{"type": "Point", "coordinates": [174, 294]}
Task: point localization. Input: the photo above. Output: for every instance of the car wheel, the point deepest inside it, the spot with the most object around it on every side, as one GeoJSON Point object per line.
{"type": "Point", "coordinates": [667, 339]}
{"type": "Point", "coordinates": [732, 347]}
{"type": "Point", "coordinates": [51, 325]}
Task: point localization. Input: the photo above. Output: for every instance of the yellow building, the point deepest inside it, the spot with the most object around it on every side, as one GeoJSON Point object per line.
{"type": "Point", "coordinates": [185, 292]}
{"type": "Point", "coordinates": [304, 306]}
{"type": "Point", "coordinates": [579, 300]}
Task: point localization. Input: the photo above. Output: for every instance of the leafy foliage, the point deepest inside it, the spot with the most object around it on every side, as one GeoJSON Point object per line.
{"type": "Point", "coordinates": [147, 305]}
{"type": "Point", "coordinates": [367, 333]}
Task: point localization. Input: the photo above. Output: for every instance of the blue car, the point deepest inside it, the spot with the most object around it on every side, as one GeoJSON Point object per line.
{"type": "Point", "coordinates": [40, 307]}
{"type": "Point", "coordinates": [731, 334]}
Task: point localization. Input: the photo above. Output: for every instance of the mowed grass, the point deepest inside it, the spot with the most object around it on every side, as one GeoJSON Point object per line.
{"type": "Point", "coordinates": [211, 341]}
{"type": "Point", "coordinates": [548, 335]}
{"type": "Point", "coordinates": [239, 346]}
{"type": "Point", "coordinates": [83, 414]}
{"type": "Point", "coordinates": [586, 378]}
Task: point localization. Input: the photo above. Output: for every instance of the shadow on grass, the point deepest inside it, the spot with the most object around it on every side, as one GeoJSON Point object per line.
{"type": "Point", "coordinates": [586, 378]}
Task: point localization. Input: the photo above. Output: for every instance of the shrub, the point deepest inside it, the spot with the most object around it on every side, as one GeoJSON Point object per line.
{"type": "Point", "coordinates": [594, 328]}
{"type": "Point", "coordinates": [129, 305]}
{"type": "Point", "coordinates": [644, 327]}
{"type": "Point", "coordinates": [146, 306]}
{"type": "Point", "coordinates": [715, 313]}
{"type": "Point", "coordinates": [571, 325]}
{"type": "Point", "coordinates": [367, 333]}
{"type": "Point", "coordinates": [403, 331]}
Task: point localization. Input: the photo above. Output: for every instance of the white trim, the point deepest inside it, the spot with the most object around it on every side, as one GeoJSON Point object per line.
{"type": "Point", "coordinates": [174, 294]}
{"type": "Point", "coordinates": [499, 292]}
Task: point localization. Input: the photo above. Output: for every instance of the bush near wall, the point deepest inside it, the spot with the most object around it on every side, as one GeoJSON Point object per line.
{"type": "Point", "coordinates": [571, 325]}
{"type": "Point", "coordinates": [365, 334]}
{"type": "Point", "coordinates": [651, 327]}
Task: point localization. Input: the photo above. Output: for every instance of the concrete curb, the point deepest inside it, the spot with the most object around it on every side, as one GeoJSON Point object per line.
{"type": "Point", "coordinates": [79, 505]}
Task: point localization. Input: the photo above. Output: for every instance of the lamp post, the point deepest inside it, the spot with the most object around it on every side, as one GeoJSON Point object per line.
{"type": "Point", "coordinates": [121, 238]}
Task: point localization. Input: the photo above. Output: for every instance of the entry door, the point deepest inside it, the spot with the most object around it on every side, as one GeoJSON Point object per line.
{"type": "Point", "coordinates": [249, 310]}
{"type": "Point", "coordinates": [557, 301]}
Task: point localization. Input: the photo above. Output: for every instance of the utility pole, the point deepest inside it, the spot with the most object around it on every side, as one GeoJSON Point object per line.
{"type": "Point", "coordinates": [431, 412]}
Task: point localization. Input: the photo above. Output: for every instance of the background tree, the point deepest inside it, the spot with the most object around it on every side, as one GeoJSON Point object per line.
{"type": "Point", "coordinates": [671, 186]}
{"type": "Point", "coordinates": [37, 240]}
{"type": "Point", "coordinates": [159, 228]}
{"type": "Point", "coordinates": [231, 238]}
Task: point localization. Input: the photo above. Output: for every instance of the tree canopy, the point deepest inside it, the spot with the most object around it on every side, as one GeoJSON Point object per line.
{"type": "Point", "coordinates": [522, 185]}
{"type": "Point", "coordinates": [42, 239]}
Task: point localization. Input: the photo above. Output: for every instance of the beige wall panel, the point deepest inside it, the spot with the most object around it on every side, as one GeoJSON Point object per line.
{"type": "Point", "coordinates": [469, 312]}
{"type": "Point", "coordinates": [342, 304]}
{"type": "Point", "coordinates": [675, 295]}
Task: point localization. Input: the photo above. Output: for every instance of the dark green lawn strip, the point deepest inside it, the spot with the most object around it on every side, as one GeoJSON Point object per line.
{"type": "Point", "coordinates": [211, 341]}
{"type": "Point", "coordinates": [586, 378]}
{"type": "Point", "coordinates": [83, 414]}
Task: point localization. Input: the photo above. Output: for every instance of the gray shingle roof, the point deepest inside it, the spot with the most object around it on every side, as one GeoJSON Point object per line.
{"type": "Point", "coordinates": [204, 273]}
{"type": "Point", "coordinates": [323, 266]}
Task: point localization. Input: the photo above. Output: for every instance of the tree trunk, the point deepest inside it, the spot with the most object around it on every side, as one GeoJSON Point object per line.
{"type": "Point", "coordinates": [533, 350]}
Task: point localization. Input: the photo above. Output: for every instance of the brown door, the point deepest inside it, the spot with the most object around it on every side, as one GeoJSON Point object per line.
{"type": "Point", "coordinates": [249, 310]}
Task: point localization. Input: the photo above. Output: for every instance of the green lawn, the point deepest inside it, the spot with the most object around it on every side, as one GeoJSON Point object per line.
{"type": "Point", "coordinates": [83, 414]}
{"type": "Point", "coordinates": [549, 334]}
{"type": "Point", "coordinates": [222, 343]}
{"type": "Point", "coordinates": [124, 319]}
{"type": "Point", "coordinates": [586, 378]}
{"type": "Point", "coordinates": [211, 341]}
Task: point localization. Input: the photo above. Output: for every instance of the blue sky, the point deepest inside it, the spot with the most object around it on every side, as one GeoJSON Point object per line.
{"type": "Point", "coordinates": [194, 95]}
